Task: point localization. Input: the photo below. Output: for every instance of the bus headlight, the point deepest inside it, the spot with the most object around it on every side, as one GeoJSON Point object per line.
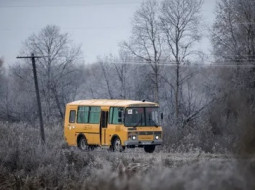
{"type": "Point", "coordinates": [132, 136]}
{"type": "Point", "coordinates": [157, 135]}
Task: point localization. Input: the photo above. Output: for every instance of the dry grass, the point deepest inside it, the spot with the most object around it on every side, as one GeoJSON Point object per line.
{"type": "Point", "coordinates": [27, 164]}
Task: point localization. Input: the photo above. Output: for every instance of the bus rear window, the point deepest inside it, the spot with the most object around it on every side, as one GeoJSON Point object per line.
{"type": "Point", "coordinates": [72, 116]}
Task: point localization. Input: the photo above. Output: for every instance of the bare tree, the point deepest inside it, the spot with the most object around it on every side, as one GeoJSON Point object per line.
{"type": "Point", "coordinates": [123, 67]}
{"type": "Point", "coordinates": [114, 71]}
{"type": "Point", "coordinates": [104, 66]}
{"type": "Point", "coordinates": [1, 65]}
{"type": "Point", "coordinates": [1, 73]}
{"type": "Point", "coordinates": [233, 35]}
{"type": "Point", "coordinates": [57, 72]}
{"type": "Point", "coordinates": [2, 85]}
{"type": "Point", "coordinates": [120, 66]}
{"type": "Point", "coordinates": [146, 42]}
{"type": "Point", "coordinates": [15, 104]}
{"type": "Point", "coordinates": [179, 24]}
{"type": "Point", "coordinates": [233, 39]}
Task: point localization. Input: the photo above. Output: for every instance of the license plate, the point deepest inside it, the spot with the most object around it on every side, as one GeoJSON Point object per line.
{"type": "Point", "coordinates": [145, 137]}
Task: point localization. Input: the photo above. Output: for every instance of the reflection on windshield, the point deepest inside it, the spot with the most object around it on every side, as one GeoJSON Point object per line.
{"type": "Point", "coordinates": [151, 116]}
{"type": "Point", "coordinates": [141, 117]}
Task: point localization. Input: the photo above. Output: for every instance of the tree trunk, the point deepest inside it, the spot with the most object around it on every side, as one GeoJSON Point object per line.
{"type": "Point", "coordinates": [58, 103]}
{"type": "Point", "coordinates": [177, 91]}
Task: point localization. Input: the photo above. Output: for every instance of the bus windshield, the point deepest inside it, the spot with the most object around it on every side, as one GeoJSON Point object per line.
{"type": "Point", "coordinates": [147, 116]}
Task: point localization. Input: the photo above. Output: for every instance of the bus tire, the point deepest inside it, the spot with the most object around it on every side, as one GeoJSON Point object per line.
{"type": "Point", "coordinates": [82, 143]}
{"type": "Point", "coordinates": [116, 145]}
{"type": "Point", "coordinates": [149, 148]}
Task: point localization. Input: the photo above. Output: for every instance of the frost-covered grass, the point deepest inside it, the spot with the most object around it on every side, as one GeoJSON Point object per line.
{"type": "Point", "coordinates": [27, 164]}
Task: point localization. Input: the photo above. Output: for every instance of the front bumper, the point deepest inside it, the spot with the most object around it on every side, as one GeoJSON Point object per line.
{"type": "Point", "coordinates": [142, 143]}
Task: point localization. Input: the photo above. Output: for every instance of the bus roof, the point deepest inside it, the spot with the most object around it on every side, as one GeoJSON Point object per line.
{"type": "Point", "coordinates": [110, 102]}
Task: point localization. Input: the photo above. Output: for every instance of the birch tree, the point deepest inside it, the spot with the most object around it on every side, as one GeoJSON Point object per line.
{"type": "Point", "coordinates": [179, 21]}
{"type": "Point", "coordinates": [145, 42]}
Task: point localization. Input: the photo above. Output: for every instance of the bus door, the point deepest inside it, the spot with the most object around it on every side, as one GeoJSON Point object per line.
{"type": "Point", "coordinates": [103, 127]}
{"type": "Point", "coordinates": [70, 125]}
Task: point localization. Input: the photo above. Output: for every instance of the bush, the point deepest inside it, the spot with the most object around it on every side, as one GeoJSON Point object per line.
{"type": "Point", "coordinates": [26, 163]}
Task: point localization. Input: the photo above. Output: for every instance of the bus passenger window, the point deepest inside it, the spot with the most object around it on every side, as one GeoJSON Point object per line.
{"type": "Point", "coordinates": [83, 113]}
{"type": "Point", "coordinates": [72, 115]}
{"type": "Point", "coordinates": [94, 115]}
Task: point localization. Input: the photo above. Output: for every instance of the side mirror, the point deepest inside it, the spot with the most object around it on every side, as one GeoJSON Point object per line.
{"type": "Point", "coordinates": [161, 116]}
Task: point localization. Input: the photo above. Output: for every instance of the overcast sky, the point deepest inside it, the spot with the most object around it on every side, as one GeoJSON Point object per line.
{"type": "Point", "coordinates": [98, 25]}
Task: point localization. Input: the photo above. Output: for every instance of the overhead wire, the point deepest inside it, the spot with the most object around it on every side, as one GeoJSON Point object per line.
{"type": "Point", "coordinates": [173, 64]}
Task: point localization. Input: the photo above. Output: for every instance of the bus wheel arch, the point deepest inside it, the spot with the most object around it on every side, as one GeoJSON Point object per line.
{"type": "Point", "coordinates": [116, 144]}
{"type": "Point", "coordinates": [82, 142]}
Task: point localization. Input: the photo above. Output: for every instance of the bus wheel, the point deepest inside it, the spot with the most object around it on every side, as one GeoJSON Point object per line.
{"type": "Point", "coordinates": [149, 148]}
{"type": "Point", "coordinates": [82, 143]}
{"type": "Point", "coordinates": [117, 147]}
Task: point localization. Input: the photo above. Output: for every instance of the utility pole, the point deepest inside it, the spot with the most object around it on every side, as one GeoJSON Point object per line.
{"type": "Point", "coordinates": [32, 57]}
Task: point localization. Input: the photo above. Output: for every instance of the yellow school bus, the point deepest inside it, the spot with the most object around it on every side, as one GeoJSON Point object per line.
{"type": "Point", "coordinates": [115, 124]}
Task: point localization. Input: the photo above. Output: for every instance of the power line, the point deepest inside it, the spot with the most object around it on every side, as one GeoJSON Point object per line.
{"type": "Point", "coordinates": [173, 64]}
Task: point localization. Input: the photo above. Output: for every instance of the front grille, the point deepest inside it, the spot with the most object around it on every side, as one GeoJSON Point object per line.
{"type": "Point", "coordinates": [157, 133]}
{"type": "Point", "coordinates": [146, 133]}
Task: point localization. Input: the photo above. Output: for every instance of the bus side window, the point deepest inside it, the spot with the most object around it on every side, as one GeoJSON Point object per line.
{"type": "Point", "coordinates": [94, 115]}
{"type": "Point", "coordinates": [83, 114]}
{"type": "Point", "coordinates": [72, 116]}
{"type": "Point", "coordinates": [116, 115]}
{"type": "Point", "coordinates": [110, 116]}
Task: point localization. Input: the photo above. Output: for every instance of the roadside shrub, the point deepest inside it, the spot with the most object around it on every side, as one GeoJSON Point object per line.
{"type": "Point", "coordinates": [26, 163]}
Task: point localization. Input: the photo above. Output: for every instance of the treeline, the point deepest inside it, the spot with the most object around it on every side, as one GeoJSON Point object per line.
{"type": "Point", "coordinates": [209, 107]}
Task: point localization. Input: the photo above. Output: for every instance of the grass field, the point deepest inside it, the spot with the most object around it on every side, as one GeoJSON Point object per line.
{"type": "Point", "coordinates": [27, 164]}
